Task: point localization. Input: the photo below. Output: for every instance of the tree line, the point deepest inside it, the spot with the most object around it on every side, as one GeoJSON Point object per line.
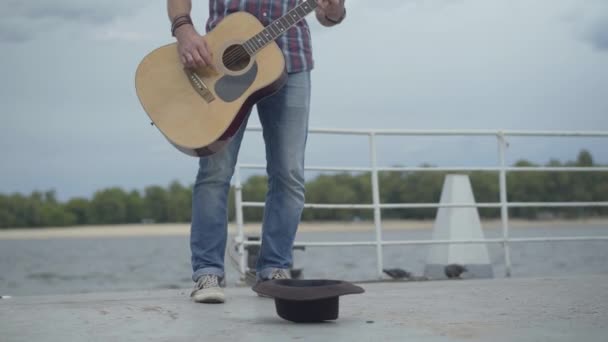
{"type": "Point", "coordinates": [173, 203]}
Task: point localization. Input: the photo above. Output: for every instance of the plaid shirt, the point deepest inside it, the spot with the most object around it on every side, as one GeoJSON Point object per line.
{"type": "Point", "coordinates": [295, 43]}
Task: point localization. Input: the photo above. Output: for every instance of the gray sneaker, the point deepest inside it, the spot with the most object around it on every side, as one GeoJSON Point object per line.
{"type": "Point", "coordinates": [208, 290]}
{"type": "Point", "coordinates": [279, 274]}
{"type": "Point", "coordinates": [276, 274]}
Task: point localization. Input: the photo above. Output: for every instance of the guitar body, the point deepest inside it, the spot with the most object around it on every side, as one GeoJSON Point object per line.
{"type": "Point", "coordinates": [199, 110]}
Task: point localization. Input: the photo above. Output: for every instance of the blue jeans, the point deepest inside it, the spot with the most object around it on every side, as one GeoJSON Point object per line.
{"type": "Point", "coordinates": [284, 119]}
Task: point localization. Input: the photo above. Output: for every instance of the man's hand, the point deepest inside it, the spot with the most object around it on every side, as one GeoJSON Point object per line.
{"type": "Point", "coordinates": [192, 48]}
{"type": "Point", "coordinates": [332, 9]}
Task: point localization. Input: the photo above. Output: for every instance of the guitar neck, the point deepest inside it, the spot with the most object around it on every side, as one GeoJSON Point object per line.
{"type": "Point", "coordinates": [279, 26]}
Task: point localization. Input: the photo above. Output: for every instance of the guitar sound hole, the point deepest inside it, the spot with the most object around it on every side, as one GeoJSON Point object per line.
{"type": "Point", "coordinates": [236, 58]}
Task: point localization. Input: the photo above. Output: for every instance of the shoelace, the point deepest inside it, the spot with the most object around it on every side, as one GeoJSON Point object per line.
{"type": "Point", "coordinates": [208, 281]}
{"type": "Point", "coordinates": [278, 274]}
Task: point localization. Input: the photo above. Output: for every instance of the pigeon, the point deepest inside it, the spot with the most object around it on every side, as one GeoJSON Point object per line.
{"type": "Point", "coordinates": [397, 273]}
{"type": "Point", "coordinates": [453, 271]}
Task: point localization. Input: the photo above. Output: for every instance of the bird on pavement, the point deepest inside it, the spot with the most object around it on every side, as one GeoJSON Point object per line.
{"type": "Point", "coordinates": [397, 273]}
{"type": "Point", "coordinates": [453, 271]}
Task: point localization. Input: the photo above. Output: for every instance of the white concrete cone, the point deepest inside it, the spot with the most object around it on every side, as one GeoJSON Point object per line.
{"type": "Point", "coordinates": [458, 224]}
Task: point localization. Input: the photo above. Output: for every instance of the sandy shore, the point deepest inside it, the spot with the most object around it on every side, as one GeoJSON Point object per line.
{"type": "Point", "coordinates": [183, 229]}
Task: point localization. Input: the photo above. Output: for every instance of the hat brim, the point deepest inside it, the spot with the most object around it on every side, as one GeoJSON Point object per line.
{"type": "Point", "coordinates": [306, 290]}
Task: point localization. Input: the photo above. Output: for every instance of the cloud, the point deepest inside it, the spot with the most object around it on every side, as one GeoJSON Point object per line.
{"type": "Point", "coordinates": [115, 34]}
{"type": "Point", "coordinates": [590, 22]}
{"type": "Point", "coordinates": [392, 5]}
{"type": "Point", "coordinates": [27, 19]}
{"type": "Point", "coordinates": [12, 35]}
{"type": "Point", "coordinates": [597, 33]}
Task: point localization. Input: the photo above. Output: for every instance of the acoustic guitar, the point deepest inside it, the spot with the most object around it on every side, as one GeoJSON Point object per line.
{"type": "Point", "coordinates": [199, 110]}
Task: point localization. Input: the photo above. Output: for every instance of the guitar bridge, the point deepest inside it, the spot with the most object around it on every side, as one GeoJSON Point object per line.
{"type": "Point", "coordinates": [199, 85]}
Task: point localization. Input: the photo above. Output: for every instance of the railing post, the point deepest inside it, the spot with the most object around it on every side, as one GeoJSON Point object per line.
{"type": "Point", "coordinates": [240, 237]}
{"type": "Point", "coordinates": [504, 205]}
{"type": "Point", "coordinates": [376, 202]}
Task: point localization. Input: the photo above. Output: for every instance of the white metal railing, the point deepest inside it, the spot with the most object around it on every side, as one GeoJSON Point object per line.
{"type": "Point", "coordinates": [376, 206]}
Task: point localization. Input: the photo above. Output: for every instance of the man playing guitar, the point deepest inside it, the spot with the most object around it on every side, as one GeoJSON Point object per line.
{"type": "Point", "coordinates": [284, 118]}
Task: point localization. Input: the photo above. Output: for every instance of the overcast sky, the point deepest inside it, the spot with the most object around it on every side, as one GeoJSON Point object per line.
{"type": "Point", "coordinates": [71, 120]}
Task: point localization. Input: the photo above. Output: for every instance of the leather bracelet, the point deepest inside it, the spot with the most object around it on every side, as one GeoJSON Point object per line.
{"type": "Point", "coordinates": [335, 22]}
{"type": "Point", "coordinates": [179, 25]}
{"type": "Point", "coordinates": [180, 21]}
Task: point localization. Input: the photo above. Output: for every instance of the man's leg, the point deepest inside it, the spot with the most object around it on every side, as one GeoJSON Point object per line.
{"type": "Point", "coordinates": [210, 209]}
{"type": "Point", "coordinates": [284, 118]}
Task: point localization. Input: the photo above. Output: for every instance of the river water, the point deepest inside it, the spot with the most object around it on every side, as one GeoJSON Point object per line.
{"type": "Point", "coordinates": [78, 265]}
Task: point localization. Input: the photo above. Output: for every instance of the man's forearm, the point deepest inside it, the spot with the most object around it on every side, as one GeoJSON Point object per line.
{"type": "Point", "coordinates": [178, 7]}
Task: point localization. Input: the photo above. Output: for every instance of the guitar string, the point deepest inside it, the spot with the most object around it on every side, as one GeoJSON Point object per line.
{"type": "Point", "coordinates": [236, 55]}
{"type": "Point", "coordinates": [234, 59]}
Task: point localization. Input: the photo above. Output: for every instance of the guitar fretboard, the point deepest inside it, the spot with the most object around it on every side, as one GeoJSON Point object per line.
{"type": "Point", "coordinates": [278, 27]}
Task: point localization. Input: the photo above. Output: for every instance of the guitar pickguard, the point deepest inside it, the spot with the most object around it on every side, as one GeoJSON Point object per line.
{"type": "Point", "coordinates": [229, 88]}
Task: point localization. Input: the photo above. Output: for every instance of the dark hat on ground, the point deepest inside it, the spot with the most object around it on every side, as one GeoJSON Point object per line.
{"type": "Point", "coordinates": [306, 300]}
